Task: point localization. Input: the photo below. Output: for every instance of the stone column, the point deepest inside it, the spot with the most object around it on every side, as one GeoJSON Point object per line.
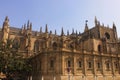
{"type": "Point", "coordinates": [112, 66]}
{"type": "Point", "coordinates": [84, 65]}
{"type": "Point", "coordinates": [94, 66]}
{"type": "Point", "coordinates": [103, 66]}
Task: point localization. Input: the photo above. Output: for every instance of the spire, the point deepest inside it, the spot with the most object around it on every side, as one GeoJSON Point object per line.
{"type": "Point", "coordinates": [79, 33]}
{"type": "Point", "coordinates": [96, 21]}
{"type": "Point", "coordinates": [6, 19]}
{"type": "Point", "coordinates": [50, 32]}
{"type": "Point", "coordinates": [40, 29]}
{"type": "Point", "coordinates": [24, 26]}
{"type": "Point", "coordinates": [115, 31]}
{"type": "Point", "coordinates": [5, 30]}
{"type": "Point", "coordinates": [55, 32]}
{"type": "Point", "coordinates": [72, 31]}
{"type": "Point", "coordinates": [62, 32]}
{"type": "Point", "coordinates": [68, 32]}
{"type": "Point", "coordinates": [114, 26]}
{"type": "Point", "coordinates": [50, 35]}
{"type": "Point", "coordinates": [31, 26]}
{"type": "Point", "coordinates": [6, 22]}
{"type": "Point", "coordinates": [86, 26]}
{"type": "Point", "coordinates": [76, 32]}
{"type": "Point", "coordinates": [46, 29]}
{"type": "Point", "coordinates": [22, 29]}
{"type": "Point", "coordinates": [28, 24]}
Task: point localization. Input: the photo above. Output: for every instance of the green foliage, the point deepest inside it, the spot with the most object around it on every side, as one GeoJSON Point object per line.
{"type": "Point", "coordinates": [12, 61]}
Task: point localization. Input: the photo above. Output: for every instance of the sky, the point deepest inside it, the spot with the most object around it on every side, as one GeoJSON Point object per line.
{"type": "Point", "coordinates": [69, 14]}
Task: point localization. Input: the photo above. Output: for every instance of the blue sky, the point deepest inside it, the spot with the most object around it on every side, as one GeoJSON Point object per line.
{"type": "Point", "coordinates": [60, 13]}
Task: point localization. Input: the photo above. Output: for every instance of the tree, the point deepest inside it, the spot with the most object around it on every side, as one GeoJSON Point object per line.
{"type": "Point", "coordinates": [12, 62]}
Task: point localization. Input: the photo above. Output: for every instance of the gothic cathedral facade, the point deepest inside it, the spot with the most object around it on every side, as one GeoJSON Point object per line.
{"type": "Point", "coordinates": [91, 55]}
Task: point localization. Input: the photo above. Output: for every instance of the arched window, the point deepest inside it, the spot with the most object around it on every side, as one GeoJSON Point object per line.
{"type": "Point", "coordinates": [80, 64]}
{"type": "Point", "coordinates": [107, 65]}
{"type": "Point", "coordinates": [51, 63]}
{"type": "Point", "coordinates": [16, 43]}
{"type": "Point", "coordinates": [69, 63]}
{"type": "Point", "coordinates": [36, 46]}
{"type": "Point", "coordinates": [89, 65]}
{"type": "Point", "coordinates": [98, 65]}
{"type": "Point", "coordinates": [99, 48]}
{"type": "Point", "coordinates": [107, 35]}
{"type": "Point", "coordinates": [54, 45]}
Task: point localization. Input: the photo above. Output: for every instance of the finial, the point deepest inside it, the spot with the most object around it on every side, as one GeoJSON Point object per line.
{"type": "Point", "coordinates": [76, 32]}
{"type": "Point", "coordinates": [62, 32]}
{"type": "Point", "coordinates": [50, 32]}
{"type": "Point", "coordinates": [86, 26]}
{"type": "Point", "coordinates": [86, 21]}
{"type": "Point", "coordinates": [68, 32]}
{"type": "Point", "coordinates": [22, 29]}
{"type": "Point", "coordinates": [24, 26]}
{"type": "Point", "coordinates": [6, 22]}
{"type": "Point", "coordinates": [79, 33]}
{"type": "Point", "coordinates": [96, 22]}
{"type": "Point", "coordinates": [55, 32]}
{"type": "Point", "coordinates": [46, 29]}
{"type": "Point", "coordinates": [28, 24]}
{"type": "Point", "coordinates": [73, 31]}
{"type": "Point", "coordinates": [114, 25]}
{"type": "Point", "coordinates": [6, 18]}
{"type": "Point", "coordinates": [40, 29]}
{"type": "Point", "coordinates": [31, 26]}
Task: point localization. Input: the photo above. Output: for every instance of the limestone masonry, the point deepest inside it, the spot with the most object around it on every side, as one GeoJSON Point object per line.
{"type": "Point", "coordinates": [91, 55]}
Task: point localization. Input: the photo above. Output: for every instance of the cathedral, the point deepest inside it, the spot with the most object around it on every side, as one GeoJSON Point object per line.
{"type": "Point", "coordinates": [91, 55]}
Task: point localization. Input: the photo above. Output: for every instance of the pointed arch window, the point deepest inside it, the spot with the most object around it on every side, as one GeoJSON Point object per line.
{"type": "Point", "coordinates": [54, 45]}
{"type": "Point", "coordinates": [16, 43]}
{"type": "Point", "coordinates": [51, 63]}
{"type": "Point", "coordinates": [69, 63]}
{"type": "Point", "coordinates": [99, 48]}
{"type": "Point", "coordinates": [89, 65]}
{"type": "Point", "coordinates": [107, 65]}
{"type": "Point", "coordinates": [98, 65]}
{"type": "Point", "coordinates": [36, 46]}
{"type": "Point", "coordinates": [80, 64]}
{"type": "Point", "coordinates": [107, 35]}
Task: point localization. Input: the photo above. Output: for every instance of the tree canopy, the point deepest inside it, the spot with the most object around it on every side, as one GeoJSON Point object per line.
{"type": "Point", "coordinates": [12, 62]}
